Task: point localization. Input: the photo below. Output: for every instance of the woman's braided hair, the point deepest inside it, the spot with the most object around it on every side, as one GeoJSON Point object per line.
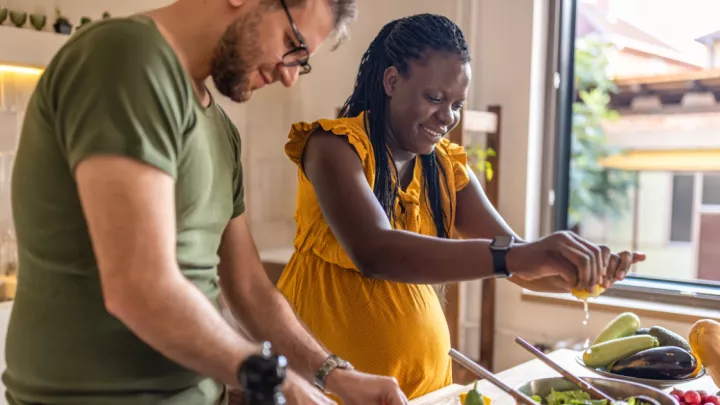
{"type": "Point", "coordinates": [398, 43]}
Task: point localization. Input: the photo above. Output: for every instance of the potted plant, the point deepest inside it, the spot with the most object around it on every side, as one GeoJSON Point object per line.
{"type": "Point", "coordinates": [3, 14]}
{"type": "Point", "coordinates": [84, 21]}
{"type": "Point", "coordinates": [62, 25]}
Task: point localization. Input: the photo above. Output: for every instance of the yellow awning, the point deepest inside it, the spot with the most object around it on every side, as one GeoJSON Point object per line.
{"type": "Point", "coordinates": [683, 160]}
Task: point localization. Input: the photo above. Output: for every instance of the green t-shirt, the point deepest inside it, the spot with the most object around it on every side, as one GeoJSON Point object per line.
{"type": "Point", "coordinates": [118, 88]}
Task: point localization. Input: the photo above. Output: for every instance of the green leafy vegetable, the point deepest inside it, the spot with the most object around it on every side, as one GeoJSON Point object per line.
{"type": "Point", "coordinates": [576, 397]}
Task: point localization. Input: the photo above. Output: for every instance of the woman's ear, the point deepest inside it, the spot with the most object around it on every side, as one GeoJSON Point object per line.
{"type": "Point", "coordinates": [390, 79]}
{"type": "Point", "coordinates": [237, 3]}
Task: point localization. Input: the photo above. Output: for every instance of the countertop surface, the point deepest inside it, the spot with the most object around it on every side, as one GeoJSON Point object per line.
{"type": "Point", "coordinates": [532, 370]}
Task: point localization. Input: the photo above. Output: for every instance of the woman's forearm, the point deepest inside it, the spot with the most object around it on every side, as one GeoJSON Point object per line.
{"type": "Point", "coordinates": [411, 258]}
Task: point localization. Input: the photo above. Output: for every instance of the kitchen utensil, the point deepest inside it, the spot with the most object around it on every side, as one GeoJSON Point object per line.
{"type": "Point", "coordinates": [482, 372]}
{"type": "Point", "coordinates": [594, 392]}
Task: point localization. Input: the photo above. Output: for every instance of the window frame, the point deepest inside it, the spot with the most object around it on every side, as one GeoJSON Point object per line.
{"type": "Point", "coordinates": [558, 139]}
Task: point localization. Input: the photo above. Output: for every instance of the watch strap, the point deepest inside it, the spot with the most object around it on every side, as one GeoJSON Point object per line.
{"type": "Point", "coordinates": [329, 365]}
{"type": "Point", "coordinates": [499, 256]}
{"type": "Point", "coordinates": [500, 263]}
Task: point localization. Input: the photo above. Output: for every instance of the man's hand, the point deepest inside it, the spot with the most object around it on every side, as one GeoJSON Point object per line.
{"type": "Point", "coordinates": [356, 388]}
{"type": "Point", "coordinates": [297, 392]}
{"type": "Point", "coordinates": [580, 263]}
{"type": "Point", "coordinates": [300, 392]}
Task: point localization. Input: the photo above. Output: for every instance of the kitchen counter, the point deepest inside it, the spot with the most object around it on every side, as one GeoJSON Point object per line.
{"type": "Point", "coordinates": [532, 370]}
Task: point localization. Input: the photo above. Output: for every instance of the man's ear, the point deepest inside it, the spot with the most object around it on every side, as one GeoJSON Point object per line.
{"type": "Point", "coordinates": [390, 79]}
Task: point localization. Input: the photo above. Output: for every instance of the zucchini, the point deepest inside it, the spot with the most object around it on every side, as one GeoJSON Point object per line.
{"type": "Point", "coordinates": [623, 325]}
{"type": "Point", "coordinates": [659, 363]}
{"type": "Point", "coordinates": [602, 354]}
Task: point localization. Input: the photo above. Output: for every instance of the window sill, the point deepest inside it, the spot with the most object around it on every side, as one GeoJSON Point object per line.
{"type": "Point", "coordinates": [670, 312]}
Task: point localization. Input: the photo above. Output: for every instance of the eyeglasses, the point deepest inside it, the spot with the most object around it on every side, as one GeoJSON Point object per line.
{"type": "Point", "coordinates": [299, 55]}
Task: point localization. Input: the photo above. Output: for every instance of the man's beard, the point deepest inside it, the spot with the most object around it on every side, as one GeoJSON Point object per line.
{"type": "Point", "coordinates": [234, 58]}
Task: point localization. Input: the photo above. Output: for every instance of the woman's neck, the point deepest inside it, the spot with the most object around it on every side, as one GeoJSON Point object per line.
{"type": "Point", "coordinates": [399, 155]}
{"type": "Point", "coordinates": [402, 158]}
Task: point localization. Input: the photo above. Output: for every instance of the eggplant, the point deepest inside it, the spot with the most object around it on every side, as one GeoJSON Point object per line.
{"type": "Point", "coordinates": [658, 363]}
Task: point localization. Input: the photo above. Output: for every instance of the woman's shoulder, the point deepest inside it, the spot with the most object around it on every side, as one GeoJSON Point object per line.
{"type": "Point", "coordinates": [351, 128]}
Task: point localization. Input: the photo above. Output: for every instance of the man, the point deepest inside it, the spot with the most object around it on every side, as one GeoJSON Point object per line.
{"type": "Point", "coordinates": [128, 206]}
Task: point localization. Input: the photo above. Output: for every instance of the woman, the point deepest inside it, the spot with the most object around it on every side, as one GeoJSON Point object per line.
{"type": "Point", "coordinates": [381, 196]}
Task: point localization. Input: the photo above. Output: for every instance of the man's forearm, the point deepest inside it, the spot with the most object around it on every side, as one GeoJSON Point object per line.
{"type": "Point", "coordinates": [266, 315]}
{"type": "Point", "coordinates": [175, 318]}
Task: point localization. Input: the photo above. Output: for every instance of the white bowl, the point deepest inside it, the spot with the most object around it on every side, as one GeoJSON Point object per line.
{"type": "Point", "coordinates": [661, 384]}
{"type": "Point", "coordinates": [615, 388]}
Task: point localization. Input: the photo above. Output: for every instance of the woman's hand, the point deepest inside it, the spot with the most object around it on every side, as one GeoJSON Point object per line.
{"type": "Point", "coordinates": [578, 262]}
{"type": "Point", "coordinates": [619, 266]}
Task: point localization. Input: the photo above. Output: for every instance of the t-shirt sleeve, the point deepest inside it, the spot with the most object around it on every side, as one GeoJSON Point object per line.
{"type": "Point", "coordinates": [119, 89]}
{"type": "Point", "coordinates": [238, 183]}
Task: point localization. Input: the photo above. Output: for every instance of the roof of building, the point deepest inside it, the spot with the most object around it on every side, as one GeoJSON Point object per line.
{"type": "Point", "coordinates": [605, 23]}
{"type": "Point", "coordinates": [709, 38]}
{"type": "Point", "coordinates": [626, 35]}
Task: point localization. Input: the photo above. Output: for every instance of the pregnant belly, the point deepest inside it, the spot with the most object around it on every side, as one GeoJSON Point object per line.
{"type": "Point", "coordinates": [388, 329]}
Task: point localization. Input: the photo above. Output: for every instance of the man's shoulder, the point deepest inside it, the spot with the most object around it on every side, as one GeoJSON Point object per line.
{"type": "Point", "coordinates": [123, 42]}
{"type": "Point", "coordinates": [134, 31]}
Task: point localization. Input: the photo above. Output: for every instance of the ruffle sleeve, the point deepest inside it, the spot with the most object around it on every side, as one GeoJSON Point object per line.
{"type": "Point", "coordinates": [458, 161]}
{"type": "Point", "coordinates": [351, 128]}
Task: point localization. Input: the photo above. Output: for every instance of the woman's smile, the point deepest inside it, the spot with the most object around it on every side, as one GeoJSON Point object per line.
{"type": "Point", "coordinates": [433, 134]}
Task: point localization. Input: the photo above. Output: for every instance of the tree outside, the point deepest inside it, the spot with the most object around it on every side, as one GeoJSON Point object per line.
{"type": "Point", "coordinates": [594, 190]}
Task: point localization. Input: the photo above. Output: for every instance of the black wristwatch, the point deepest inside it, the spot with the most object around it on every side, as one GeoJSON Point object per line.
{"type": "Point", "coordinates": [330, 364]}
{"type": "Point", "coordinates": [261, 377]}
{"type": "Point", "coordinates": [500, 247]}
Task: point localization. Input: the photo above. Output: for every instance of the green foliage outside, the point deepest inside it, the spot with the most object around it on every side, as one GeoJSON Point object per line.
{"type": "Point", "coordinates": [594, 190]}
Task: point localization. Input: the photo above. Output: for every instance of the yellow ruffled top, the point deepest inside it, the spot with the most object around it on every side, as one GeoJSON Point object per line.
{"type": "Point", "coordinates": [381, 327]}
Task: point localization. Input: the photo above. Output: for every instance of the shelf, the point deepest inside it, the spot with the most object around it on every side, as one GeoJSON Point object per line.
{"type": "Point", "coordinates": [28, 47]}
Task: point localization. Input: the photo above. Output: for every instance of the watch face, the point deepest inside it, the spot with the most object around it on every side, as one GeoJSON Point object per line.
{"type": "Point", "coordinates": [502, 242]}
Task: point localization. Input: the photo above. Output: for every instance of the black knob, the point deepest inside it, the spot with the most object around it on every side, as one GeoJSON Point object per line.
{"type": "Point", "coordinates": [261, 377]}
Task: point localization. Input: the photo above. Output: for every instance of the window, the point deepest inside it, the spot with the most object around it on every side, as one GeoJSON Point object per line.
{"type": "Point", "coordinates": [627, 135]}
{"type": "Point", "coordinates": [711, 189]}
{"type": "Point", "coordinates": [681, 220]}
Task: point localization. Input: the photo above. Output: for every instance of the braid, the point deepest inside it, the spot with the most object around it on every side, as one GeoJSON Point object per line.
{"type": "Point", "coordinates": [398, 43]}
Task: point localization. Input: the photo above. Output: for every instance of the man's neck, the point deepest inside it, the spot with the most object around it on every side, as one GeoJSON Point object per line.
{"type": "Point", "coordinates": [193, 32]}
